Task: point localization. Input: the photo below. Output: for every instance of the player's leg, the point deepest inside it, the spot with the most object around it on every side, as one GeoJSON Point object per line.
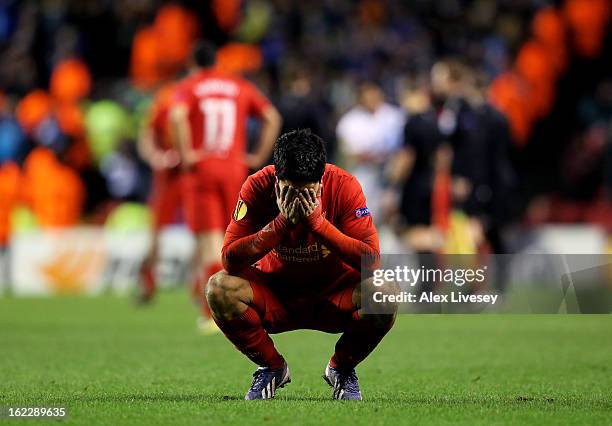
{"type": "Point", "coordinates": [148, 284]}
{"type": "Point", "coordinates": [218, 200]}
{"type": "Point", "coordinates": [240, 306]}
{"type": "Point", "coordinates": [367, 328]}
{"type": "Point", "coordinates": [228, 180]}
{"type": "Point", "coordinates": [163, 202]}
{"type": "Point", "coordinates": [203, 214]}
{"type": "Point", "coordinates": [206, 263]}
{"type": "Point", "coordinates": [5, 272]}
{"type": "Point", "coordinates": [362, 333]}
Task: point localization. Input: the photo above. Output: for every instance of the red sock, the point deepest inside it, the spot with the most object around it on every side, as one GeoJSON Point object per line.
{"type": "Point", "coordinates": [249, 337]}
{"type": "Point", "coordinates": [357, 342]}
{"type": "Point", "coordinates": [147, 279]}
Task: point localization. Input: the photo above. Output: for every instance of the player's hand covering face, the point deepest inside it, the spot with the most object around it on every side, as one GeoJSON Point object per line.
{"type": "Point", "coordinates": [309, 201]}
{"type": "Point", "coordinates": [287, 202]}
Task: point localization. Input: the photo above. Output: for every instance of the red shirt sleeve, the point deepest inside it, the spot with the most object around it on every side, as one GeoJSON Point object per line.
{"type": "Point", "coordinates": [183, 95]}
{"type": "Point", "coordinates": [244, 219]}
{"type": "Point", "coordinates": [355, 219]}
{"type": "Point", "coordinates": [245, 240]}
{"type": "Point", "coordinates": [257, 102]}
{"type": "Point", "coordinates": [354, 238]}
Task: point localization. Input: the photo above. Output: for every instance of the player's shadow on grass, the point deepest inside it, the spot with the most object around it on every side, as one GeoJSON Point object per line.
{"type": "Point", "coordinates": [211, 399]}
{"type": "Point", "coordinates": [149, 398]}
{"type": "Point", "coordinates": [328, 398]}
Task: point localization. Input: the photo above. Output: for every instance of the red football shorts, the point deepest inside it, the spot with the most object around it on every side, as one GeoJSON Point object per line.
{"type": "Point", "coordinates": [281, 311]}
{"type": "Point", "coordinates": [165, 200]}
{"type": "Point", "coordinates": [211, 193]}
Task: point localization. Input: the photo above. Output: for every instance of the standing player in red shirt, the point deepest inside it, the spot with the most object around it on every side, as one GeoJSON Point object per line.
{"type": "Point", "coordinates": [293, 253]}
{"type": "Point", "coordinates": [157, 148]}
{"type": "Point", "coordinates": [210, 116]}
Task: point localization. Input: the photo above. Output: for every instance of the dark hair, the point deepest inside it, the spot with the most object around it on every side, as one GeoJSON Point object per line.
{"type": "Point", "coordinates": [204, 53]}
{"type": "Point", "coordinates": [299, 156]}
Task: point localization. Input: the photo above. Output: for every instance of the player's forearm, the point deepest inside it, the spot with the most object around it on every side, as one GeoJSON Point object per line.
{"type": "Point", "coordinates": [355, 252]}
{"type": "Point", "coordinates": [181, 134]}
{"type": "Point", "coordinates": [400, 166]}
{"type": "Point", "coordinates": [146, 147]}
{"type": "Point", "coordinates": [245, 251]}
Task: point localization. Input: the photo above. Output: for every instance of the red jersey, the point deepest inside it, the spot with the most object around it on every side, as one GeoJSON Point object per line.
{"type": "Point", "coordinates": [158, 120]}
{"type": "Point", "coordinates": [219, 106]}
{"type": "Point", "coordinates": [301, 257]}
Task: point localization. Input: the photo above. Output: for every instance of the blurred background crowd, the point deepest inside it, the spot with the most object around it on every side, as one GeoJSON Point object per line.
{"type": "Point", "coordinates": [463, 116]}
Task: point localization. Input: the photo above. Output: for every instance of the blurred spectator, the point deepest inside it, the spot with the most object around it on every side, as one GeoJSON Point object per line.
{"type": "Point", "coordinates": [536, 66]}
{"type": "Point", "coordinates": [124, 172]}
{"type": "Point", "coordinates": [509, 93]}
{"type": "Point", "coordinates": [107, 123]}
{"type": "Point", "coordinates": [413, 169]}
{"type": "Point", "coordinates": [10, 177]}
{"type": "Point", "coordinates": [548, 28]}
{"type": "Point", "coordinates": [300, 109]}
{"type": "Point", "coordinates": [53, 191]}
{"type": "Point", "coordinates": [484, 147]}
{"type": "Point", "coordinates": [160, 50]}
{"type": "Point", "coordinates": [33, 109]}
{"type": "Point", "coordinates": [70, 81]}
{"type": "Point", "coordinates": [588, 20]}
{"type": "Point", "coordinates": [239, 58]}
{"type": "Point", "coordinates": [586, 160]}
{"type": "Point", "coordinates": [367, 136]}
{"type": "Point", "coordinates": [12, 138]}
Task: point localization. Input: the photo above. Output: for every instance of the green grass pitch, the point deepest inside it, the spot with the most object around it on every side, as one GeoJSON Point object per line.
{"type": "Point", "coordinates": [111, 363]}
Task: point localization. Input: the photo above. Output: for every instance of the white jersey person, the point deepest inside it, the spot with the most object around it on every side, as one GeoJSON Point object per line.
{"type": "Point", "coordinates": [368, 134]}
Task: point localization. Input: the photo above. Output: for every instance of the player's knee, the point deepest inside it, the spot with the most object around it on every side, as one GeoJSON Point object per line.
{"type": "Point", "coordinates": [216, 288]}
{"type": "Point", "coordinates": [223, 292]}
{"type": "Point", "coordinates": [378, 302]}
{"type": "Point", "coordinates": [383, 321]}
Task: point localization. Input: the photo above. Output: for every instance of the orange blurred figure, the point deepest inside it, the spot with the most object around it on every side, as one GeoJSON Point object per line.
{"type": "Point", "coordinates": [71, 122]}
{"type": "Point", "coordinates": [508, 93]}
{"type": "Point", "coordinates": [238, 58]}
{"type": "Point", "coordinates": [70, 119]}
{"type": "Point", "coordinates": [371, 12]}
{"type": "Point", "coordinates": [549, 29]}
{"type": "Point", "coordinates": [143, 65]}
{"type": "Point", "coordinates": [70, 81]}
{"type": "Point", "coordinates": [534, 64]}
{"type": "Point", "coordinates": [33, 109]}
{"type": "Point", "coordinates": [176, 28]}
{"type": "Point", "coordinates": [54, 191]}
{"type": "Point", "coordinates": [227, 13]}
{"type": "Point", "coordinates": [10, 176]}
{"type": "Point", "coordinates": [588, 20]}
{"type": "Point", "coordinates": [160, 50]}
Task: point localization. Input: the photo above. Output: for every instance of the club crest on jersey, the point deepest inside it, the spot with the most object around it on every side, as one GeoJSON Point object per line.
{"type": "Point", "coordinates": [362, 212]}
{"type": "Point", "coordinates": [240, 211]}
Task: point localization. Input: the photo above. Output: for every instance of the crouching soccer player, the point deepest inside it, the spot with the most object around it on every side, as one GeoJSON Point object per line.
{"type": "Point", "coordinates": [292, 256]}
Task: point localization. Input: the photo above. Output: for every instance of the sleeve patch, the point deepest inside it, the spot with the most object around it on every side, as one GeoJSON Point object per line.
{"type": "Point", "coordinates": [362, 212]}
{"type": "Point", "coordinates": [240, 211]}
